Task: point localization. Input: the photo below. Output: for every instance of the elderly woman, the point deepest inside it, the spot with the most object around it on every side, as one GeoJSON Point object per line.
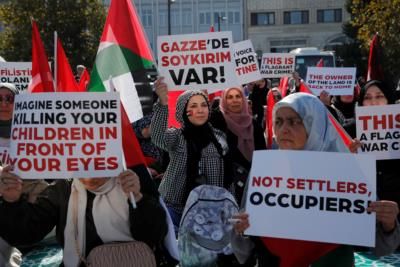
{"type": "Point", "coordinates": [376, 93]}
{"type": "Point", "coordinates": [301, 123]}
{"type": "Point", "coordinates": [197, 151]}
{"type": "Point", "coordinates": [101, 208]}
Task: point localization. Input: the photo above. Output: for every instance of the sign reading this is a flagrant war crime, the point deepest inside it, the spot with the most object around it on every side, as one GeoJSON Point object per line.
{"type": "Point", "coordinates": [312, 196]}
{"type": "Point", "coordinates": [335, 81]}
{"type": "Point", "coordinates": [197, 61]}
{"type": "Point", "coordinates": [378, 129]}
{"type": "Point", "coordinates": [246, 66]}
{"type": "Point", "coordinates": [64, 135]}
{"type": "Point", "coordinates": [17, 73]}
{"type": "Point", "coordinates": [277, 65]}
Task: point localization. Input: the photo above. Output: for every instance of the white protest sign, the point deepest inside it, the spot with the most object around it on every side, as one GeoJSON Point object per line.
{"type": "Point", "coordinates": [378, 129]}
{"type": "Point", "coordinates": [66, 135]}
{"type": "Point", "coordinates": [17, 73]}
{"type": "Point", "coordinates": [335, 81]}
{"type": "Point", "coordinates": [246, 66]}
{"type": "Point", "coordinates": [312, 196]}
{"type": "Point", "coordinates": [197, 61]}
{"type": "Point", "coordinates": [277, 65]}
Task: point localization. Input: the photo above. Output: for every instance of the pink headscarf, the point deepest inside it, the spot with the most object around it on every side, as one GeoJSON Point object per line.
{"type": "Point", "coordinates": [241, 124]}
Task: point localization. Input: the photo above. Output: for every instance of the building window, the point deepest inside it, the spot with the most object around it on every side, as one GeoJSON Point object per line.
{"type": "Point", "coordinates": [295, 17]}
{"type": "Point", "coordinates": [147, 17]}
{"type": "Point", "coordinates": [233, 17]}
{"type": "Point", "coordinates": [204, 18]}
{"type": "Point", "coordinates": [162, 18]}
{"type": "Point", "coordinates": [329, 15]}
{"type": "Point", "coordinates": [187, 17]}
{"type": "Point", "coordinates": [267, 18]}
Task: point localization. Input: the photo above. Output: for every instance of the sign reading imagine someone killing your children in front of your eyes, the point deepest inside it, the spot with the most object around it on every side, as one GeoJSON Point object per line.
{"type": "Point", "coordinates": [64, 135]}
{"type": "Point", "coordinates": [197, 61]}
{"type": "Point", "coordinates": [313, 196]}
{"type": "Point", "coordinates": [378, 129]}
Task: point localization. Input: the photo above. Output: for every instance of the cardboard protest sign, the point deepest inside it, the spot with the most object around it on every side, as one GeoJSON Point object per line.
{"type": "Point", "coordinates": [277, 65]}
{"type": "Point", "coordinates": [246, 66]}
{"type": "Point", "coordinates": [18, 73]}
{"type": "Point", "coordinates": [197, 61]}
{"type": "Point", "coordinates": [378, 129]}
{"type": "Point", "coordinates": [312, 196]}
{"type": "Point", "coordinates": [65, 135]}
{"type": "Point", "coordinates": [335, 81]}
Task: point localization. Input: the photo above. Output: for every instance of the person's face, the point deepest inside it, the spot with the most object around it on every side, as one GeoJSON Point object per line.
{"type": "Point", "coordinates": [146, 132]}
{"type": "Point", "coordinates": [93, 183]}
{"type": "Point", "coordinates": [374, 97]}
{"type": "Point", "coordinates": [277, 96]}
{"type": "Point", "coordinates": [347, 99]}
{"type": "Point", "coordinates": [234, 101]}
{"type": "Point", "coordinates": [6, 104]}
{"type": "Point", "coordinates": [80, 71]}
{"type": "Point", "coordinates": [289, 129]}
{"type": "Point", "coordinates": [197, 110]}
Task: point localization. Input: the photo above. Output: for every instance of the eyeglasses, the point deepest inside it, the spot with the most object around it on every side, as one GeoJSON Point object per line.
{"type": "Point", "coordinates": [9, 99]}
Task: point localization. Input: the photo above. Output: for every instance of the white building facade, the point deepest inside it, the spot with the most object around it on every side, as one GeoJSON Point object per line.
{"type": "Point", "coordinates": [283, 25]}
{"type": "Point", "coordinates": [190, 16]}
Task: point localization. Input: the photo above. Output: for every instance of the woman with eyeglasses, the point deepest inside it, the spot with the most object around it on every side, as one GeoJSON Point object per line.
{"type": "Point", "coordinates": [7, 95]}
{"type": "Point", "coordinates": [300, 122]}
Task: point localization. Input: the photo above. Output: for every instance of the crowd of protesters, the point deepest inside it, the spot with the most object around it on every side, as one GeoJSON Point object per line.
{"type": "Point", "coordinates": [213, 146]}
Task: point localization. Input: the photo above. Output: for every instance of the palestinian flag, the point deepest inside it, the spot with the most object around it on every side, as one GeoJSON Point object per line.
{"type": "Point", "coordinates": [125, 57]}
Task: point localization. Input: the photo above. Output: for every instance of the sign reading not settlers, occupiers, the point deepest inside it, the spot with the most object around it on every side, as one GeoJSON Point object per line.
{"type": "Point", "coordinates": [313, 196]}
{"type": "Point", "coordinates": [197, 61]}
{"type": "Point", "coordinates": [64, 135]}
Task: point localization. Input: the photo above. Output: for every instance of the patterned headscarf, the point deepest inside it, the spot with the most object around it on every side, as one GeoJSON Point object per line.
{"type": "Point", "coordinates": [182, 101]}
{"type": "Point", "coordinates": [322, 136]}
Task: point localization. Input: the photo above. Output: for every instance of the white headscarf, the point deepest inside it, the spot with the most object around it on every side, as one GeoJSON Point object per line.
{"type": "Point", "coordinates": [322, 136]}
{"type": "Point", "coordinates": [110, 215]}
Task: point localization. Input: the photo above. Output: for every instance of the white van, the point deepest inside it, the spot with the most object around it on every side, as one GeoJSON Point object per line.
{"type": "Point", "coordinates": [309, 57]}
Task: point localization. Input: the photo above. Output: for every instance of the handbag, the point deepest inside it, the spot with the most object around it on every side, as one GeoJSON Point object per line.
{"type": "Point", "coordinates": [121, 254]}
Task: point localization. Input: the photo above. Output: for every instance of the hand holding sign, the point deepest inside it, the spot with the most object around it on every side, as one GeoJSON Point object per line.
{"type": "Point", "coordinates": [162, 91]}
{"type": "Point", "coordinates": [386, 213]}
{"type": "Point", "coordinates": [130, 183]}
{"type": "Point", "coordinates": [10, 185]}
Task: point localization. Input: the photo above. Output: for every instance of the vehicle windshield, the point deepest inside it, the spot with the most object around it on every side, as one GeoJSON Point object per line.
{"type": "Point", "coordinates": [304, 61]}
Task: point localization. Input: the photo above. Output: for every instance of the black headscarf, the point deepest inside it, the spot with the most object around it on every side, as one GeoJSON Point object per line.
{"type": "Point", "coordinates": [389, 94]}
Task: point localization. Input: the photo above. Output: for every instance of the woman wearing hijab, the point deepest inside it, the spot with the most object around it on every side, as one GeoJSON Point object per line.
{"type": "Point", "coordinates": [197, 151]}
{"type": "Point", "coordinates": [244, 135]}
{"type": "Point", "coordinates": [376, 93]}
{"type": "Point", "coordinates": [301, 123]}
{"type": "Point", "coordinates": [346, 105]}
{"type": "Point", "coordinates": [100, 205]}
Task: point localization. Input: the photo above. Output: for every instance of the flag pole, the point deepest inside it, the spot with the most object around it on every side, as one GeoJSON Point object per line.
{"type": "Point", "coordinates": [55, 61]}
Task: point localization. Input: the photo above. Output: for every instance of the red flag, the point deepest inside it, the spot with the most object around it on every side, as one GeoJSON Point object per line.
{"type": "Point", "coordinates": [65, 78]}
{"type": "Point", "coordinates": [42, 80]}
{"type": "Point", "coordinates": [84, 81]}
{"type": "Point", "coordinates": [172, 98]}
{"type": "Point", "coordinates": [212, 28]}
{"type": "Point", "coordinates": [268, 115]}
{"type": "Point", "coordinates": [320, 63]}
{"type": "Point", "coordinates": [297, 253]}
{"type": "Point", "coordinates": [375, 70]}
{"type": "Point", "coordinates": [283, 86]}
